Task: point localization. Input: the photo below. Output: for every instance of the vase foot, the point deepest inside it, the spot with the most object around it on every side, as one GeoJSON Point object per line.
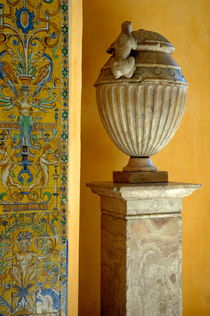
{"type": "Point", "coordinates": [140, 176]}
{"type": "Point", "coordinates": [140, 164]}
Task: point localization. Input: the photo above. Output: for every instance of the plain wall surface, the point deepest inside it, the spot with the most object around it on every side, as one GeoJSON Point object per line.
{"type": "Point", "coordinates": [75, 86]}
{"type": "Point", "coordinates": [186, 23]}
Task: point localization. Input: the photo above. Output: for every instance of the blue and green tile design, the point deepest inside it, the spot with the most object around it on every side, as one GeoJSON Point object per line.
{"type": "Point", "coordinates": [33, 157]}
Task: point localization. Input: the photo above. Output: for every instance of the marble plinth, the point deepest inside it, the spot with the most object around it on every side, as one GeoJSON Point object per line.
{"type": "Point", "coordinates": [141, 248]}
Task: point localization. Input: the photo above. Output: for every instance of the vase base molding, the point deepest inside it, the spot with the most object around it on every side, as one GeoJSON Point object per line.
{"type": "Point", "coordinates": [140, 177]}
{"type": "Point", "coordinates": [143, 164]}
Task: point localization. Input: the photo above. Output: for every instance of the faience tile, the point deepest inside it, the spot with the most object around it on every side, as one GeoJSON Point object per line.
{"type": "Point", "coordinates": [43, 65]}
{"type": "Point", "coordinates": [33, 157]}
{"type": "Point", "coordinates": [19, 235]}
{"type": "Point", "coordinates": [48, 314]}
{"type": "Point", "coordinates": [24, 263]}
{"type": "Point", "coordinates": [38, 100]}
{"type": "Point", "coordinates": [48, 288]}
{"type": "Point", "coordinates": [49, 222]}
{"type": "Point", "coordinates": [7, 223]}
{"type": "Point", "coordinates": [38, 200]}
{"type": "Point", "coordinates": [2, 274]}
{"type": "Point", "coordinates": [37, 13]}
{"type": "Point", "coordinates": [24, 304]}
{"type": "Point", "coordinates": [5, 293]}
{"type": "Point", "coordinates": [49, 272]}
{"type": "Point", "coordinates": [63, 273]}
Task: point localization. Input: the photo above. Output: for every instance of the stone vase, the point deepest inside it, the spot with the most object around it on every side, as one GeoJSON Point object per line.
{"type": "Point", "coordinates": [141, 110]}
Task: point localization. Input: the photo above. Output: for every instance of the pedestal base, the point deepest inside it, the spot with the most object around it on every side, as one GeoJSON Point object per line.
{"type": "Point", "coordinates": [140, 177]}
{"type": "Point", "coordinates": [141, 248]}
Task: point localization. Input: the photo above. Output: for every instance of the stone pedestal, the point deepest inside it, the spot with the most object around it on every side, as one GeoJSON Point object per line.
{"type": "Point", "coordinates": [141, 248]}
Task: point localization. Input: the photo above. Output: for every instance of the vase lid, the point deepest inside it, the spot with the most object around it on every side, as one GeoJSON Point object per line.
{"type": "Point", "coordinates": [140, 56]}
{"type": "Point", "coordinates": [148, 40]}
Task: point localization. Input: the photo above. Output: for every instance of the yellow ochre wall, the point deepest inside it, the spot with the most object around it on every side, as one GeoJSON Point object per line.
{"type": "Point", "coordinates": [186, 23]}
{"type": "Point", "coordinates": [75, 59]}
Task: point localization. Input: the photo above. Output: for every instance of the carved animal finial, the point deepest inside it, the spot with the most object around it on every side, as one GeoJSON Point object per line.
{"type": "Point", "coordinates": [122, 64]}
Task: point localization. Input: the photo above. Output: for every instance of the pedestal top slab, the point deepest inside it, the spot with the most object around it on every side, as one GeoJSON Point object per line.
{"type": "Point", "coordinates": [143, 190]}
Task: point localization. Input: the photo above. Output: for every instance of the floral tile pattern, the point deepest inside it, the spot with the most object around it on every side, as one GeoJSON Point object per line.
{"type": "Point", "coordinates": [33, 157]}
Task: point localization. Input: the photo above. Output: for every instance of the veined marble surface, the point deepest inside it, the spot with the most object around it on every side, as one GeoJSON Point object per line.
{"type": "Point", "coordinates": [141, 248]}
{"type": "Point", "coordinates": [154, 257]}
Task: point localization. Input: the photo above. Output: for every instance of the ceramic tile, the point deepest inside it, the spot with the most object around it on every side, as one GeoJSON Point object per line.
{"type": "Point", "coordinates": [46, 104]}
{"type": "Point", "coordinates": [48, 287]}
{"type": "Point", "coordinates": [24, 303]}
{"type": "Point", "coordinates": [38, 200]}
{"type": "Point", "coordinates": [2, 273]}
{"type": "Point", "coordinates": [7, 222]}
{"type": "Point", "coordinates": [5, 294]}
{"type": "Point", "coordinates": [48, 221]}
{"type": "Point", "coordinates": [45, 65]}
{"type": "Point", "coordinates": [33, 157]}
{"type": "Point", "coordinates": [24, 262]}
{"type": "Point", "coordinates": [49, 271]}
{"type": "Point", "coordinates": [52, 27]}
{"type": "Point", "coordinates": [42, 76]}
{"type": "Point", "coordinates": [48, 314]}
{"type": "Point", "coordinates": [17, 239]}
{"type": "Point", "coordinates": [19, 201]}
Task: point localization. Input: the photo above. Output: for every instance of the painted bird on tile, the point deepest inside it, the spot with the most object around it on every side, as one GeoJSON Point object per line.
{"type": "Point", "coordinates": [7, 72]}
{"type": "Point", "coordinates": [44, 74]}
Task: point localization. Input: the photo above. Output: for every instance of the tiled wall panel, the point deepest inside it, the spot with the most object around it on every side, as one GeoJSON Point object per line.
{"type": "Point", "coordinates": [33, 156]}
